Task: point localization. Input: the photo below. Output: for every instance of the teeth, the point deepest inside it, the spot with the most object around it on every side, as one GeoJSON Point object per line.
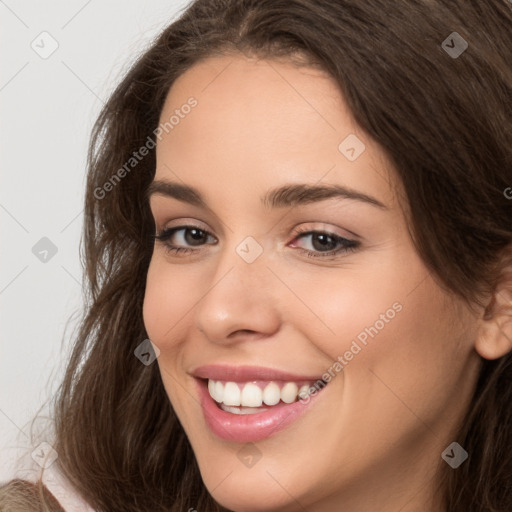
{"type": "Point", "coordinates": [252, 396]}
{"type": "Point", "coordinates": [219, 390]}
{"type": "Point", "coordinates": [242, 410]}
{"type": "Point", "coordinates": [303, 391]}
{"type": "Point", "coordinates": [289, 392]}
{"type": "Point", "coordinates": [271, 394]}
{"type": "Point", "coordinates": [231, 394]}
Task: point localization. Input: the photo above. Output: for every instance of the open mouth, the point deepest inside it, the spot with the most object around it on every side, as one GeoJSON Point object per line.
{"type": "Point", "coordinates": [252, 411]}
{"type": "Point", "coordinates": [259, 396]}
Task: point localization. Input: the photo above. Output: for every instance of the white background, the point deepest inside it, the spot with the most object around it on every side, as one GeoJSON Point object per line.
{"type": "Point", "coordinates": [48, 106]}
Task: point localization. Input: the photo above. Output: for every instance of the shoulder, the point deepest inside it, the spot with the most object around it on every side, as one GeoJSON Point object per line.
{"type": "Point", "coordinates": [22, 491]}
{"type": "Point", "coordinates": [62, 489]}
{"type": "Point", "coordinates": [19, 494]}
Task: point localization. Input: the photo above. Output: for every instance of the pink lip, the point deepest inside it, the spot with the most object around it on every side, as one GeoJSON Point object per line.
{"type": "Point", "coordinates": [247, 373]}
{"type": "Point", "coordinates": [251, 427]}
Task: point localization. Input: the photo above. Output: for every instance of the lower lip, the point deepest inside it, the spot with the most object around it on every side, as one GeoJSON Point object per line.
{"type": "Point", "coordinates": [244, 428]}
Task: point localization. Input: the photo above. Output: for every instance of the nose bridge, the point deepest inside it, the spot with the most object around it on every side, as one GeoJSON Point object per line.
{"type": "Point", "coordinates": [239, 295]}
{"type": "Point", "coordinates": [242, 259]}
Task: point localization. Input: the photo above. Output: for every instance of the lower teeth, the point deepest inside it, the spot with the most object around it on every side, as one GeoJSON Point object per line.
{"type": "Point", "coordinates": [242, 410]}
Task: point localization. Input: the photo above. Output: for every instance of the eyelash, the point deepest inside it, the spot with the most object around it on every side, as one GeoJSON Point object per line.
{"type": "Point", "coordinates": [350, 245]}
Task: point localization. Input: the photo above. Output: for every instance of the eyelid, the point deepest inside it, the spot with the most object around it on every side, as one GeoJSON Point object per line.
{"type": "Point", "coordinates": [303, 233]}
{"type": "Point", "coordinates": [324, 227]}
{"type": "Point", "coordinates": [316, 226]}
{"type": "Point", "coordinates": [183, 223]}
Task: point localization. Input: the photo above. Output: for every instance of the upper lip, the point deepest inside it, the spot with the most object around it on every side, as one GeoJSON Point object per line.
{"type": "Point", "coordinates": [247, 373]}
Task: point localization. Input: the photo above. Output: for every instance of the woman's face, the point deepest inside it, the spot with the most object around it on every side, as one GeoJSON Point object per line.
{"type": "Point", "coordinates": [248, 304]}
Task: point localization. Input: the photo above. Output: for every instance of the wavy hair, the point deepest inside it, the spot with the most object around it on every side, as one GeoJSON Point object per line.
{"type": "Point", "coordinates": [444, 122]}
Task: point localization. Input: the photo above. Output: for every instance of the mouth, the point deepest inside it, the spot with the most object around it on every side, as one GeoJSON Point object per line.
{"type": "Point", "coordinates": [256, 396]}
{"type": "Point", "coordinates": [244, 404]}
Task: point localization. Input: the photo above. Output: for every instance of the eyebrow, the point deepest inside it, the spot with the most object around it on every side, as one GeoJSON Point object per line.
{"type": "Point", "coordinates": [286, 195]}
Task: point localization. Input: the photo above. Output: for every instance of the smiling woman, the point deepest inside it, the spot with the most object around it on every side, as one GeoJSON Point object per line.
{"type": "Point", "coordinates": [301, 296]}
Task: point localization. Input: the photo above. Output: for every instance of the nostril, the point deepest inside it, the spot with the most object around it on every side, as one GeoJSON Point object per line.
{"type": "Point", "coordinates": [243, 333]}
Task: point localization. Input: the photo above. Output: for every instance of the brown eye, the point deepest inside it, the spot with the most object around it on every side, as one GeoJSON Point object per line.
{"type": "Point", "coordinates": [191, 236]}
{"type": "Point", "coordinates": [324, 243]}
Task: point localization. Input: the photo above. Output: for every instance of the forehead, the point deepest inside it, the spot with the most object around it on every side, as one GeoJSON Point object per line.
{"type": "Point", "coordinates": [256, 122]}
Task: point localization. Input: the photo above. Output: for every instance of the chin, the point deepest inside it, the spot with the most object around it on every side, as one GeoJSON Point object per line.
{"type": "Point", "coordinates": [252, 495]}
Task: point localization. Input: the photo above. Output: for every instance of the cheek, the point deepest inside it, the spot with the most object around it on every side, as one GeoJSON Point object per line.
{"type": "Point", "coordinates": [343, 311]}
{"type": "Point", "coordinates": [391, 323]}
{"type": "Point", "coordinates": [165, 302]}
{"type": "Point", "coordinates": [152, 308]}
{"type": "Point", "coordinates": [411, 368]}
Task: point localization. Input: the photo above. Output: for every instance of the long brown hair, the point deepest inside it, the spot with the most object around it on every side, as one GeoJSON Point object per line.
{"type": "Point", "coordinates": [445, 122]}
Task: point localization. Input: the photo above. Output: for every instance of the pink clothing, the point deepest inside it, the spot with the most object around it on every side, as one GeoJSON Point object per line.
{"type": "Point", "coordinates": [61, 488]}
{"type": "Point", "coordinates": [55, 482]}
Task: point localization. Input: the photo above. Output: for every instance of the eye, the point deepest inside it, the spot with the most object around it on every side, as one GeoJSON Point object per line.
{"type": "Point", "coordinates": [192, 235]}
{"type": "Point", "coordinates": [326, 244]}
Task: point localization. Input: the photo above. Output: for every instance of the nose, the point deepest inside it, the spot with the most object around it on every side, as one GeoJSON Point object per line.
{"type": "Point", "coordinates": [240, 301]}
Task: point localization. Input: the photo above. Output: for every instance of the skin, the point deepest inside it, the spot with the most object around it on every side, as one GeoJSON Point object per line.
{"type": "Point", "coordinates": [374, 438]}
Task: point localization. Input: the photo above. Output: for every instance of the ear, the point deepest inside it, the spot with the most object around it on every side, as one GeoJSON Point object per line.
{"type": "Point", "coordinates": [494, 338]}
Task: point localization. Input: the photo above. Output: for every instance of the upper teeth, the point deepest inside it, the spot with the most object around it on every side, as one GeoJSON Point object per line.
{"type": "Point", "coordinates": [251, 395]}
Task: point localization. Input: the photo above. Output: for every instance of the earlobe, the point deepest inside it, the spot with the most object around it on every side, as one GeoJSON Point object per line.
{"type": "Point", "coordinates": [494, 338]}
